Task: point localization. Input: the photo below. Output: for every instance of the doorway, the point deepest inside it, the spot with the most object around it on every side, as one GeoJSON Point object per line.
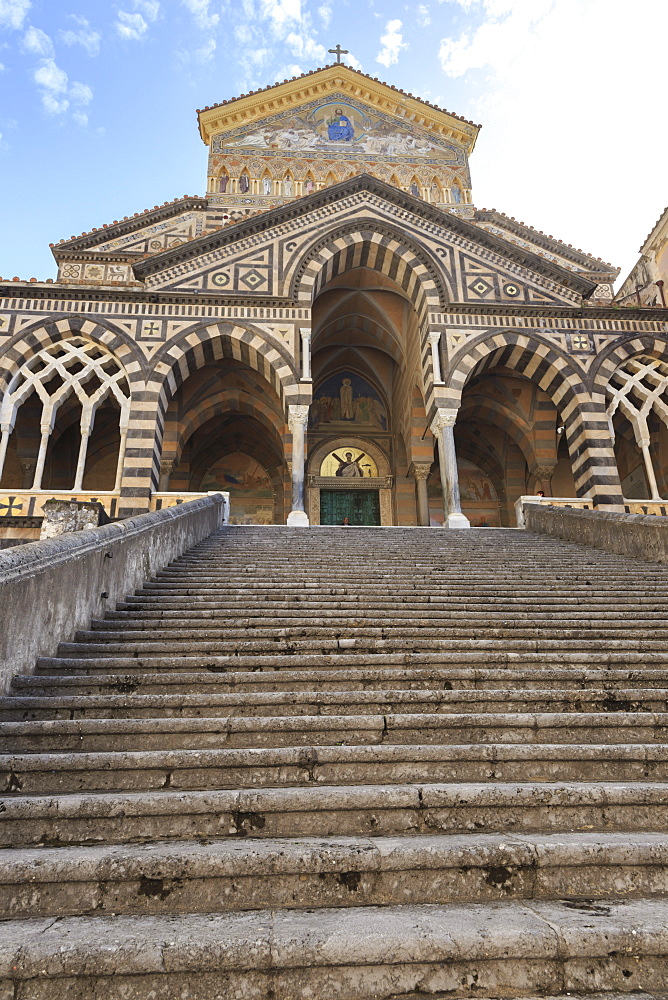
{"type": "Point", "coordinates": [359, 506]}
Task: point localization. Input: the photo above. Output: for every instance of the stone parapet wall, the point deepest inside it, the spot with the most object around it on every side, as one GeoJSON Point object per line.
{"type": "Point", "coordinates": [639, 535]}
{"type": "Point", "coordinates": [50, 588]}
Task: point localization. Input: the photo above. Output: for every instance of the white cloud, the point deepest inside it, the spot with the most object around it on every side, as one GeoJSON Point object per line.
{"type": "Point", "coordinates": [131, 26]}
{"type": "Point", "coordinates": [423, 16]}
{"type": "Point", "coordinates": [243, 34]}
{"type": "Point", "coordinates": [134, 26]}
{"type": "Point", "coordinates": [58, 94]}
{"type": "Point", "coordinates": [13, 13]}
{"type": "Point", "coordinates": [325, 12]}
{"type": "Point", "coordinates": [281, 12]}
{"type": "Point", "coordinates": [350, 60]}
{"type": "Point", "coordinates": [85, 36]}
{"type": "Point", "coordinates": [38, 42]}
{"type": "Point", "coordinates": [304, 47]}
{"type": "Point", "coordinates": [204, 18]}
{"type": "Point", "coordinates": [554, 152]}
{"type": "Point", "coordinates": [392, 42]}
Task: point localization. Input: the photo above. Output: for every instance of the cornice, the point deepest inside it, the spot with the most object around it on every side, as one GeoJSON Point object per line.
{"type": "Point", "coordinates": [549, 243]}
{"type": "Point", "coordinates": [321, 82]}
{"type": "Point", "coordinates": [264, 221]}
{"type": "Point", "coordinates": [587, 312]}
{"type": "Point", "coordinates": [131, 224]}
{"type": "Point", "coordinates": [99, 256]}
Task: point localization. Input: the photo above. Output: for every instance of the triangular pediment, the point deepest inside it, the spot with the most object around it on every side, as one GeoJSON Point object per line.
{"type": "Point", "coordinates": [259, 257]}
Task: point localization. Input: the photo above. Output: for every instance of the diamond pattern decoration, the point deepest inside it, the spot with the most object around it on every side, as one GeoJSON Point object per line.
{"type": "Point", "coordinates": [480, 287]}
{"type": "Point", "coordinates": [253, 279]}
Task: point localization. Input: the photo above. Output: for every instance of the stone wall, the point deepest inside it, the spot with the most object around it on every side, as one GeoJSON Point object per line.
{"type": "Point", "coordinates": [50, 588]}
{"type": "Point", "coordinates": [639, 535]}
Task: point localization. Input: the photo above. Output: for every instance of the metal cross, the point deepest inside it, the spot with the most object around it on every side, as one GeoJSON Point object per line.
{"type": "Point", "coordinates": [338, 52]}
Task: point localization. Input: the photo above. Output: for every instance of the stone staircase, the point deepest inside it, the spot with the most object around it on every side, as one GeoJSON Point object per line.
{"type": "Point", "coordinates": [346, 764]}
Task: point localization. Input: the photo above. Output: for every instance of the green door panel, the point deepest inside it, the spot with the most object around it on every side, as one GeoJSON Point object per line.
{"type": "Point", "coordinates": [359, 506]}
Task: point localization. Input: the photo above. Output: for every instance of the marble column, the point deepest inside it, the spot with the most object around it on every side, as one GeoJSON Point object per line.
{"type": "Point", "coordinates": [297, 420]}
{"type": "Point", "coordinates": [543, 474]}
{"type": "Point", "coordinates": [305, 334]}
{"type": "Point", "coordinates": [443, 429]}
{"type": "Point", "coordinates": [420, 473]}
{"type": "Point", "coordinates": [435, 340]}
{"type": "Point", "coordinates": [649, 468]}
{"type": "Point", "coordinates": [167, 466]}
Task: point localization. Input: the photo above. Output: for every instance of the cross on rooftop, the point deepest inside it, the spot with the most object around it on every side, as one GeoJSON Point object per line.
{"type": "Point", "coordinates": [338, 52]}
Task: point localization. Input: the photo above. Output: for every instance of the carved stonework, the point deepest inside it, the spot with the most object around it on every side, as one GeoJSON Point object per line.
{"type": "Point", "coordinates": [297, 417]}
{"type": "Point", "coordinates": [443, 418]}
{"type": "Point", "coordinates": [419, 470]}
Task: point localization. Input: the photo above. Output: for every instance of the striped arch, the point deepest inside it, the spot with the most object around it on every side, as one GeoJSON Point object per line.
{"type": "Point", "coordinates": [203, 345]}
{"type": "Point", "coordinates": [233, 400]}
{"type": "Point", "coordinates": [43, 333]}
{"type": "Point", "coordinates": [609, 361]}
{"type": "Point", "coordinates": [381, 248]}
{"type": "Point", "coordinates": [585, 421]}
{"type": "Point", "coordinates": [173, 363]}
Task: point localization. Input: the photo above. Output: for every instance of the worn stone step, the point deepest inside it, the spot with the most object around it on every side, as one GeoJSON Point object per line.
{"type": "Point", "coordinates": [353, 953]}
{"type": "Point", "coordinates": [292, 644]}
{"type": "Point", "coordinates": [458, 659]}
{"type": "Point", "coordinates": [333, 810]}
{"type": "Point", "coordinates": [351, 702]}
{"type": "Point", "coordinates": [57, 773]}
{"type": "Point", "coordinates": [227, 876]}
{"type": "Point", "coordinates": [280, 680]}
{"type": "Point", "coordinates": [295, 731]}
{"type": "Point", "coordinates": [276, 600]}
{"type": "Point", "coordinates": [233, 617]}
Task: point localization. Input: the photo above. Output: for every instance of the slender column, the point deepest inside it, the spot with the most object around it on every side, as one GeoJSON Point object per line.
{"type": "Point", "coordinates": [41, 457]}
{"type": "Point", "coordinates": [305, 334]}
{"type": "Point", "coordinates": [4, 441]}
{"type": "Point", "coordinates": [28, 469]}
{"type": "Point", "coordinates": [420, 472]}
{"type": "Point", "coordinates": [543, 474]}
{"type": "Point", "coordinates": [81, 461]}
{"type": "Point", "coordinates": [121, 459]}
{"type": "Point", "coordinates": [442, 428]}
{"type": "Point", "coordinates": [649, 468]}
{"type": "Point", "coordinates": [297, 420]}
{"type": "Point", "coordinates": [435, 340]}
{"type": "Point", "coordinates": [166, 469]}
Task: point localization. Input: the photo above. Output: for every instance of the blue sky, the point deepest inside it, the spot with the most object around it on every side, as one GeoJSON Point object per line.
{"type": "Point", "coordinates": [97, 103]}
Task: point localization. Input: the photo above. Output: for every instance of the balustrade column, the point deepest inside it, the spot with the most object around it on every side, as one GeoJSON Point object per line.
{"type": "Point", "coordinates": [442, 427]}
{"type": "Point", "coordinates": [297, 420]}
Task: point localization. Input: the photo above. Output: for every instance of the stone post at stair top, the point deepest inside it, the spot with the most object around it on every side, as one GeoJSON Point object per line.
{"type": "Point", "coordinates": [435, 340]}
{"type": "Point", "coordinates": [305, 334]}
{"type": "Point", "coordinates": [442, 427]}
{"type": "Point", "coordinates": [420, 473]}
{"type": "Point", "coordinates": [297, 420]}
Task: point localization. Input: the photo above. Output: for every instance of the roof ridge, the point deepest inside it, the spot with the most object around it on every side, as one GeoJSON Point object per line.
{"type": "Point", "coordinates": [320, 69]}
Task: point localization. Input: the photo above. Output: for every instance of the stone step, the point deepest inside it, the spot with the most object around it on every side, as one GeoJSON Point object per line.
{"type": "Point", "coordinates": [333, 810]}
{"type": "Point", "coordinates": [358, 627]}
{"type": "Point", "coordinates": [226, 876]}
{"type": "Point", "coordinates": [314, 646]}
{"type": "Point", "coordinates": [352, 953]}
{"type": "Point", "coordinates": [231, 617]}
{"type": "Point", "coordinates": [145, 770]}
{"type": "Point", "coordinates": [92, 735]}
{"type": "Point", "coordinates": [462, 659]}
{"type": "Point", "coordinates": [352, 702]}
{"type": "Point", "coordinates": [454, 603]}
{"type": "Point", "coordinates": [139, 681]}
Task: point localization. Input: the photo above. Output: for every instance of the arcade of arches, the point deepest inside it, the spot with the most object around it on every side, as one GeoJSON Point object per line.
{"type": "Point", "coordinates": [333, 333]}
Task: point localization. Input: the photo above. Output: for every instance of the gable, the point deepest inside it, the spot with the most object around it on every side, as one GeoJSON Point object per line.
{"type": "Point", "coordinates": [263, 259]}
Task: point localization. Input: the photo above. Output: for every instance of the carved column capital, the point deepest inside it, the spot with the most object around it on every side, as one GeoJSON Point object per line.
{"type": "Point", "coordinates": [443, 418]}
{"type": "Point", "coordinates": [544, 472]}
{"type": "Point", "coordinates": [167, 466]}
{"type": "Point", "coordinates": [297, 416]}
{"type": "Point", "coordinates": [434, 336]}
{"type": "Point", "coordinates": [28, 464]}
{"type": "Point", "coordinates": [419, 470]}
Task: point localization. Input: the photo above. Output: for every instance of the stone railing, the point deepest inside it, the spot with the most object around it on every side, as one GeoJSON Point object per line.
{"type": "Point", "coordinates": [644, 537]}
{"type": "Point", "coordinates": [30, 503]}
{"type": "Point", "coordinates": [48, 589]}
{"type": "Point", "coordinates": [655, 508]}
{"type": "Point", "coordinates": [578, 503]}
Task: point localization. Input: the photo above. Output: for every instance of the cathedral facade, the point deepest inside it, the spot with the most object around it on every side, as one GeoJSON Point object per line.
{"type": "Point", "coordinates": [332, 331]}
